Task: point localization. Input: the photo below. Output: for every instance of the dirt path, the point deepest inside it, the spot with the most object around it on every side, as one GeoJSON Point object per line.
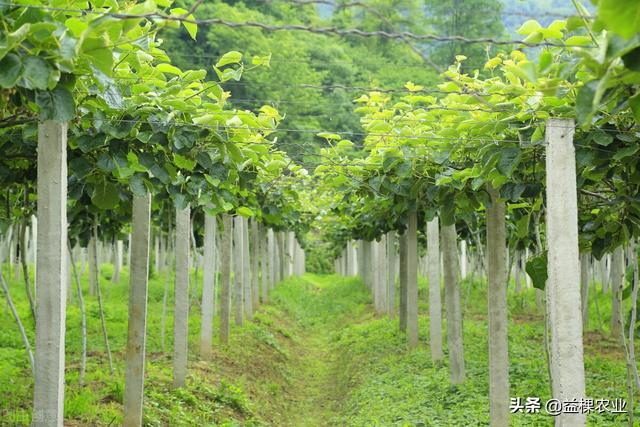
{"type": "Point", "coordinates": [315, 374]}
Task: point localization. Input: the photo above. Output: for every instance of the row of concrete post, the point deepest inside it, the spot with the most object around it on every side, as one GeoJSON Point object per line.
{"type": "Point", "coordinates": [563, 288]}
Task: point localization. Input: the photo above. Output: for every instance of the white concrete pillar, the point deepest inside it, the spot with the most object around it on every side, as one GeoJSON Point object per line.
{"type": "Point", "coordinates": [51, 275]}
{"type": "Point", "coordinates": [238, 270]}
{"type": "Point", "coordinates": [181, 298]}
{"type": "Point", "coordinates": [137, 324]}
{"type": "Point", "coordinates": [208, 296]}
{"type": "Point", "coordinates": [391, 274]}
{"type": "Point", "coordinates": [226, 249]}
{"type": "Point", "coordinates": [448, 240]}
{"type": "Point", "coordinates": [435, 304]}
{"type": "Point", "coordinates": [247, 297]}
{"type": "Point", "coordinates": [412, 280]}
{"type": "Point", "coordinates": [563, 285]}
{"type": "Point", "coordinates": [497, 305]}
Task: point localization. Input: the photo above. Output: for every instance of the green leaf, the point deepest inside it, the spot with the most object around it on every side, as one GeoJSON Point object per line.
{"type": "Point", "coordinates": [632, 59]}
{"type": "Point", "coordinates": [105, 195]}
{"type": "Point", "coordinates": [193, 75]}
{"type": "Point", "coordinates": [180, 201]}
{"type": "Point", "coordinates": [522, 227]}
{"type": "Point", "coordinates": [11, 40]}
{"type": "Point", "coordinates": [191, 28]}
{"type": "Point", "coordinates": [36, 73]}
{"type": "Point", "coordinates": [620, 16]}
{"type": "Point", "coordinates": [634, 103]}
{"type": "Point", "coordinates": [244, 211]}
{"type": "Point", "coordinates": [602, 138]}
{"type": "Point", "coordinates": [578, 41]}
{"type": "Point", "coordinates": [508, 159]}
{"type": "Point", "coordinates": [545, 61]}
{"type": "Point", "coordinates": [168, 68]}
{"type": "Point", "coordinates": [626, 152]}
{"type": "Point", "coordinates": [529, 27]}
{"type": "Point", "coordinates": [584, 102]}
{"type": "Point", "coordinates": [184, 163]}
{"type": "Point", "coordinates": [526, 70]}
{"type": "Point", "coordinates": [536, 268]}
{"type": "Point", "coordinates": [10, 68]}
{"type": "Point", "coordinates": [87, 143]}
{"type": "Point", "coordinates": [57, 104]}
{"type": "Point", "coordinates": [99, 54]}
{"type": "Point", "coordinates": [233, 57]}
{"type": "Point", "coordinates": [137, 185]}
{"type": "Point", "coordinates": [329, 136]}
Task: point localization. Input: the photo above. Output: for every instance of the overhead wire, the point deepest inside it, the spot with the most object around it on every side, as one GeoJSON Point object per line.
{"type": "Point", "coordinates": [298, 27]}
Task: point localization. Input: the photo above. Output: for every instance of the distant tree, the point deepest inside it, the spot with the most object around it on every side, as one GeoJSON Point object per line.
{"type": "Point", "coordinates": [299, 59]}
{"type": "Point", "coordinates": [467, 18]}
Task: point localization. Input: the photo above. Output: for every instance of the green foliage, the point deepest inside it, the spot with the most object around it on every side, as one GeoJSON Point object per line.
{"type": "Point", "coordinates": [536, 268]}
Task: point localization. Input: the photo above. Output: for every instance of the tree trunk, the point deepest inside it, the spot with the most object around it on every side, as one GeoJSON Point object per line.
{"type": "Point", "coordinates": [448, 237]}
{"type": "Point", "coordinates": [137, 325]}
{"type": "Point", "coordinates": [435, 304]}
{"type": "Point", "coordinates": [206, 330]}
{"type": "Point", "coordinates": [181, 298]}
{"type": "Point", "coordinates": [497, 304]}
{"type": "Point", "coordinates": [225, 278]}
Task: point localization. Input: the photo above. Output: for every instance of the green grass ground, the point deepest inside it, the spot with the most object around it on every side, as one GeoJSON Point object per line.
{"type": "Point", "coordinates": [316, 355]}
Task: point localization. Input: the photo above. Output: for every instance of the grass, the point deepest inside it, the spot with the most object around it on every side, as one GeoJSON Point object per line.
{"type": "Point", "coordinates": [315, 355]}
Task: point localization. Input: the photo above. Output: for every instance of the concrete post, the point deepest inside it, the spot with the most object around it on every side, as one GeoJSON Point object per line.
{"type": "Point", "coordinates": [264, 255]}
{"type": "Point", "coordinates": [449, 238]}
{"type": "Point", "coordinates": [412, 280]}
{"type": "Point", "coordinates": [271, 249]}
{"type": "Point", "coordinates": [181, 297]}
{"type": "Point", "coordinates": [403, 276]}
{"type": "Point", "coordinates": [246, 271]}
{"type": "Point", "coordinates": [238, 268]}
{"type": "Point", "coordinates": [564, 269]}
{"type": "Point", "coordinates": [435, 304]}
{"type": "Point", "coordinates": [225, 278]}
{"type": "Point", "coordinates": [137, 328]}
{"type": "Point", "coordinates": [617, 281]}
{"type": "Point", "coordinates": [384, 275]}
{"type": "Point", "coordinates": [51, 271]}
{"type": "Point", "coordinates": [208, 273]}
{"type": "Point", "coordinates": [497, 305]}
{"type": "Point", "coordinates": [391, 274]}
